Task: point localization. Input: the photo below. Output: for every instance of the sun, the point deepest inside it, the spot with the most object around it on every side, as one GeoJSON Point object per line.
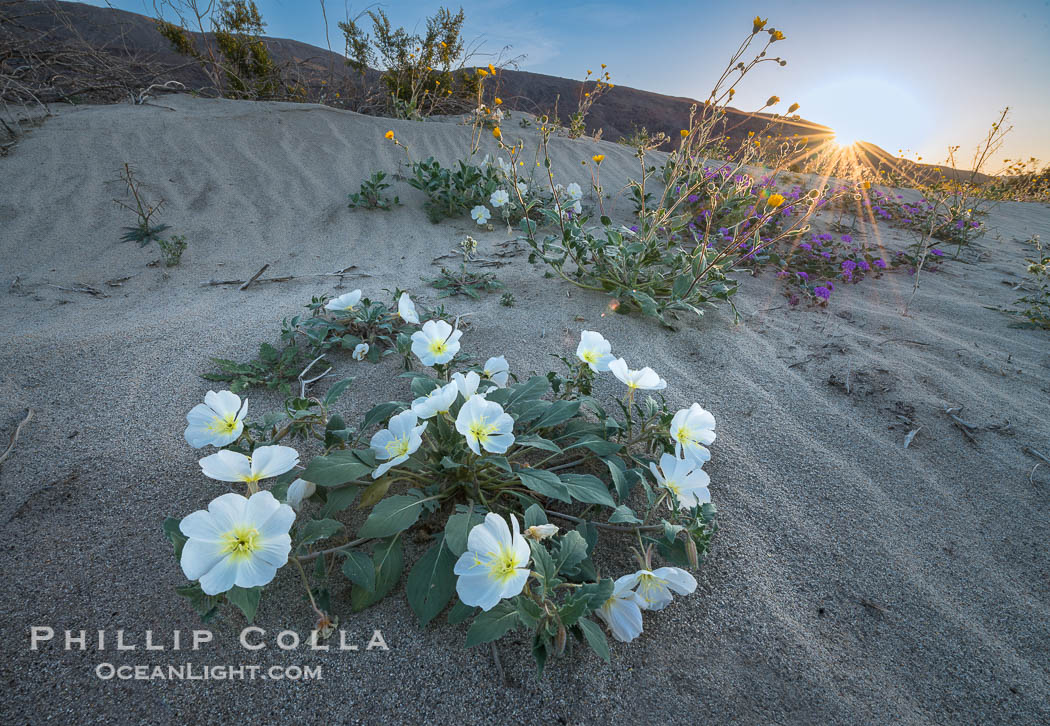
{"type": "Point", "coordinates": [844, 142]}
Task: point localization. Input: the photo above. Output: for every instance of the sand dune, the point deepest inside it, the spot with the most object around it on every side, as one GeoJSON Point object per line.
{"type": "Point", "coordinates": [852, 581]}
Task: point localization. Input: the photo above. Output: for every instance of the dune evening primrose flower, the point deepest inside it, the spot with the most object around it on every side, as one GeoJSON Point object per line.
{"type": "Point", "coordinates": [467, 384]}
{"type": "Point", "coordinates": [499, 198]}
{"type": "Point", "coordinates": [218, 421]}
{"type": "Point", "coordinates": [644, 379]}
{"type": "Point", "coordinates": [264, 463]}
{"type": "Point", "coordinates": [480, 214]}
{"type": "Point", "coordinates": [655, 587]}
{"type": "Point", "coordinates": [407, 309]}
{"type": "Point", "coordinates": [684, 478]}
{"type": "Point", "coordinates": [236, 541]}
{"type": "Point", "coordinates": [495, 565]}
{"type": "Point", "coordinates": [497, 370]}
{"type": "Point", "coordinates": [436, 343]}
{"type": "Point", "coordinates": [523, 188]}
{"type": "Point", "coordinates": [595, 351]}
{"type": "Point", "coordinates": [298, 492]}
{"type": "Point", "coordinates": [573, 192]}
{"type": "Point", "coordinates": [439, 400]}
{"type": "Point", "coordinates": [360, 351]}
{"type": "Point", "coordinates": [344, 303]}
{"type": "Point", "coordinates": [623, 611]}
{"type": "Point", "coordinates": [693, 430]}
{"type": "Point", "coordinates": [485, 426]}
{"type": "Point", "coordinates": [394, 444]}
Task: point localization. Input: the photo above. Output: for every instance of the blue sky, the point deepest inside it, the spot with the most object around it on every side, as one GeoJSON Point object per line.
{"type": "Point", "coordinates": [913, 75]}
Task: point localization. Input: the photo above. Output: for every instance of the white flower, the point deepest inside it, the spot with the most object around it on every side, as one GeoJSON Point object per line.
{"type": "Point", "coordinates": [523, 188]}
{"type": "Point", "coordinates": [655, 587]}
{"type": "Point", "coordinates": [693, 429]}
{"type": "Point", "coordinates": [467, 384]}
{"type": "Point", "coordinates": [495, 565]}
{"type": "Point", "coordinates": [407, 309]}
{"type": "Point", "coordinates": [497, 370]}
{"type": "Point", "coordinates": [540, 532]}
{"type": "Point", "coordinates": [439, 400]}
{"type": "Point", "coordinates": [236, 541]}
{"type": "Point", "coordinates": [497, 115]}
{"type": "Point", "coordinates": [265, 462]}
{"type": "Point", "coordinates": [393, 445]}
{"type": "Point", "coordinates": [504, 166]}
{"type": "Point", "coordinates": [499, 198]}
{"type": "Point", "coordinates": [218, 421]}
{"type": "Point", "coordinates": [436, 343]}
{"type": "Point", "coordinates": [573, 192]}
{"type": "Point", "coordinates": [623, 611]}
{"type": "Point", "coordinates": [595, 351]}
{"type": "Point", "coordinates": [568, 211]}
{"type": "Point", "coordinates": [298, 492]}
{"type": "Point", "coordinates": [577, 208]}
{"type": "Point", "coordinates": [484, 424]}
{"type": "Point", "coordinates": [360, 351]}
{"type": "Point", "coordinates": [480, 214]}
{"type": "Point", "coordinates": [344, 303]}
{"type": "Point", "coordinates": [645, 379]}
{"type": "Point", "coordinates": [684, 478]}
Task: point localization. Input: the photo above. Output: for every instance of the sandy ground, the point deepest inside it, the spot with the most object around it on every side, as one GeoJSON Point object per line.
{"type": "Point", "coordinates": [853, 580]}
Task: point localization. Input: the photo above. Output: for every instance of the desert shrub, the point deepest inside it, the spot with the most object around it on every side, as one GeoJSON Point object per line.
{"type": "Point", "coordinates": [422, 74]}
{"type": "Point", "coordinates": [452, 192]}
{"type": "Point", "coordinates": [172, 249]}
{"type": "Point", "coordinates": [144, 231]}
{"type": "Point", "coordinates": [371, 195]}
{"type": "Point", "coordinates": [239, 65]}
{"type": "Point", "coordinates": [589, 92]}
{"type": "Point", "coordinates": [510, 486]}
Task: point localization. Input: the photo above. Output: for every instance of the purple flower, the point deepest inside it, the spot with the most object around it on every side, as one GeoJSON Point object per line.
{"type": "Point", "coordinates": [724, 231]}
{"type": "Point", "coordinates": [822, 292]}
{"type": "Point", "coordinates": [806, 246]}
{"type": "Point", "coordinates": [803, 276]}
{"type": "Point", "coordinates": [864, 265]}
{"type": "Point", "coordinates": [634, 227]}
{"type": "Point", "coordinates": [830, 285]}
{"type": "Point", "coordinates": [826, 255]}
{"type": "Point", "coordinates": [936, 252]}
{"type": "Point", "coordinates": [849, 266]}
{"type": "Point", "coordinates": [783, 273]}
{"type": "Point", "coordinates": [693, 199]}
{"type": "Point", "coordinates": [846, 238]}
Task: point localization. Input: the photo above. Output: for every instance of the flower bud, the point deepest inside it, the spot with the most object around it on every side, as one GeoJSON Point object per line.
{"type": "Point", "coordinates": [541, 532]}
{"type": "Point", "coordinates": [691, 553]}
{"type": "Point", "coordinates": [559, 641]}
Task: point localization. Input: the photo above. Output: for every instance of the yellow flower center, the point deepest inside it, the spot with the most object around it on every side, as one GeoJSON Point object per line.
{"type": "Point", "coordinates": [590, 356]}
{"type": "Point", "coordinates": [240, 542]}
{"type": "Point", "coordinates": [438, 347]}
{"type": "Point", "coordinates": [672, 485]}
{"type": "Point", "coordinates": [397, 447]}
{"type": "Point", "coordinates": [481, 431]}
{"type": "Point", "coordinates": [502, 565]}
{"type": "Point", "coordinates": [684, 433]}
{"type": "Point", "coordinates": [224, 425]}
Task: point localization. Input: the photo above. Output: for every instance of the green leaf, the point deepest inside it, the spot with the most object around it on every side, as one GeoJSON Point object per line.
{"type": "Point", "coordinates": [247, 599]}
{"type": "Point", "coordinates": [390, 516]}
{"type": "Point", "coordinates": [559, 412]}
{"type": "Point", "coordinates": [458, 528]}
{"type": "Point", "coordinates": [537, 442]}
{"type": "Point", "coordinates": [493, 624]}
{"type": "Point", "coordinates": [360, 570]}
{"type": "Point", "coordinates": [595, 638]}
{"type": "Point", "coordinates": [619, 477]}
{"type": "Point", "coordinates": [601, 447]}
{"type": "Point", "coordinates": [313, 530]}
{"type": "Point", "coordinates": [589, 489]}
{"type": "Point", "coordinates": [336, 391]}
{"type": "Point", "coordinates": [389, 562]}
{"type": "Point", "coordinates": [175, 535]}
{"type": "Point", "coordinates": [544, 563]}
{"type": "Point", "coordinates": [534, 516]}
{"type": "Point", "coordinates": [529, 612]}
{"type": "Point", "coordinates": [379, 414]}
{"type": "Point", "coordinates": [545, 483]}
{"type": "Point", "coordinates": [205, 605]}
{"type": "Point", "coordinates": [573, 610]}
{"type": "Point", "coordinates": [460, 613]}
{"type": "Point", "coordinates": [338, 500]}
{"type": "Point", "coordinates": [624, 513]}
{"type": "Point", "coordinates": [572, 550]}
{"type": "Point", "coordinates": [431, 582]}
{"type": "Point", "coordinates": [336, 469]}
{"type": "Point", "coordinates": [497, 461]}
{"type": "Point", "coordinates": [597, 593]}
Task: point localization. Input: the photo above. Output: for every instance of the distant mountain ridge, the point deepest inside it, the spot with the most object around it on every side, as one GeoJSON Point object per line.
{"type": "Point", "coordinates": [617, 113]}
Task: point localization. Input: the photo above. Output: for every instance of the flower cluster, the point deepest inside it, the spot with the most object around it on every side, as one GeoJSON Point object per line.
{"type": "Point", "coordinates": [499, 454]}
